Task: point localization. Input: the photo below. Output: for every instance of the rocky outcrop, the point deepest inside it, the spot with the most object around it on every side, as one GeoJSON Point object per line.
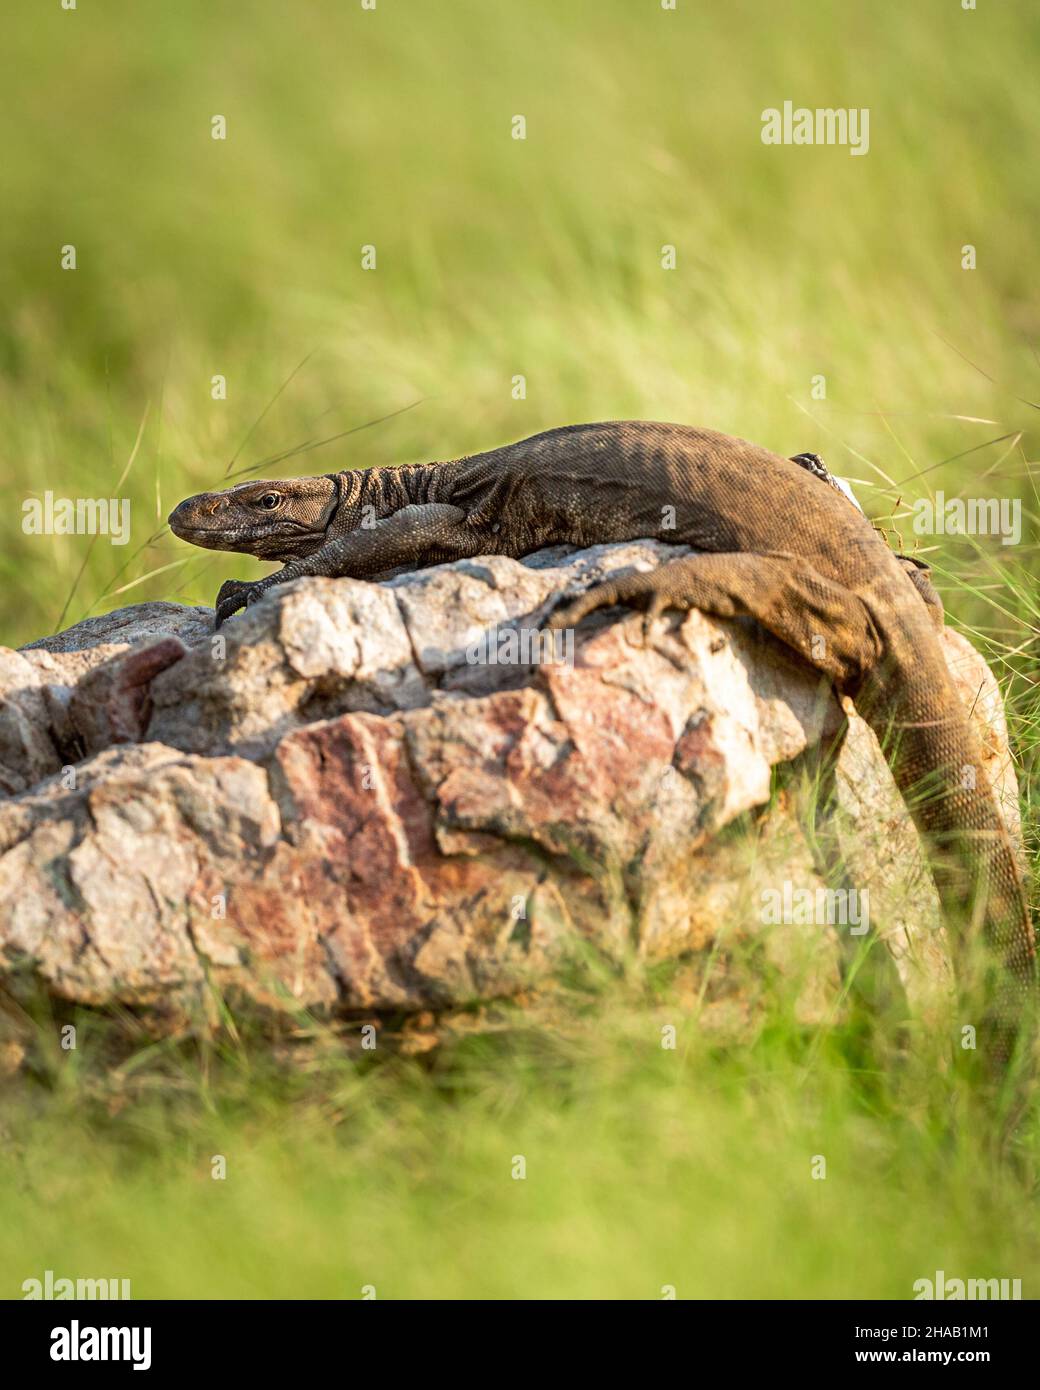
{"type": "Point", "coordinates": [365, 799]}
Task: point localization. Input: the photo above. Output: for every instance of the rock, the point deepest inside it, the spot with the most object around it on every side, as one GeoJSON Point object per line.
{"type": "Point", "coordinates": [128, 627]}
{"type": "Point", "coordinates": [27, 748]}
{"type": "Point", "coordinates": [360, 800]}
{"type": "Point", "coordinates": [112, 703]}
{"type": "Point", "coordinates": [53, 711]}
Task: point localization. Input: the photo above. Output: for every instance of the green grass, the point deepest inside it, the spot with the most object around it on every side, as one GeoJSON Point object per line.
{"type": "Point", "coordinates": [645, 1168]}
{"type": "Point", "coordinates": [499, 257]}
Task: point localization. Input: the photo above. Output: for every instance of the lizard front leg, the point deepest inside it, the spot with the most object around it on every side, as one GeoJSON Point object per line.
{"type": "Point", "coordinates": [413, 536]}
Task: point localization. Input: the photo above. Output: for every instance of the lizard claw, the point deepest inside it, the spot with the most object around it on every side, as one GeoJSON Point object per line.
{"type": "Point", "coordinates": [233, 595]}
{"type": "Point", "coordinates": [630, 588]}
{"type": "Point", "coordinates": [654, 610]}
{"type": "Point", "coordinates": [570, 614]}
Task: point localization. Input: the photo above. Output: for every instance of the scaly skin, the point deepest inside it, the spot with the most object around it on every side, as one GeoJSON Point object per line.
{"type": "Point", "coordinates": [777, 545]}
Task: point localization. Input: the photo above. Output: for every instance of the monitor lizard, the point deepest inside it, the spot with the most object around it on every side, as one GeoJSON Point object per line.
{"type": "Point", "coordinates": [778, 541]}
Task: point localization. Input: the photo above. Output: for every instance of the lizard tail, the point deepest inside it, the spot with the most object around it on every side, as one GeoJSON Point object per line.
{"type": "Point", "coordinates": [936, 760]}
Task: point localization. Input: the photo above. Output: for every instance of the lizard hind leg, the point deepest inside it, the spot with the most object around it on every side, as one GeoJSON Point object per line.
{"type": "Point", "coordinates": [825, 623]}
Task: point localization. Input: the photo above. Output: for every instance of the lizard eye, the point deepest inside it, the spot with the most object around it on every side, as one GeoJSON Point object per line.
{"type": "Point", "coordinates": [269, 501]}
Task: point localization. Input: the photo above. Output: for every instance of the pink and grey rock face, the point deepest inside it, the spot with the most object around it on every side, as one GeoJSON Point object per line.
{"type": "Point", "coordinates": [340, 805]}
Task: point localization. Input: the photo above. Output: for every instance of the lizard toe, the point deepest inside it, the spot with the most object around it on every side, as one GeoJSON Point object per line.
{"type": "Point", "coordinates": [571, 614]}
{"type": "Point", "coordinates": [630, 588]}
{"type": "Point", "coordinates": [231, 596]}
{"type": "Point", "coordinates": [654, 610]}
{"type": "Point", "coordinates": [229, 588]}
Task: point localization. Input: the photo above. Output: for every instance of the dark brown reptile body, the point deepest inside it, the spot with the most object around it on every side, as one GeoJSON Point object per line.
{"type": "Point", "coordinates": [776, 544]}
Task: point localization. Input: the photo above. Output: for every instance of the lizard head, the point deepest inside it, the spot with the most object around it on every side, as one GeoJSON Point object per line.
{"type": "Point", "coordinates": [275, 521]}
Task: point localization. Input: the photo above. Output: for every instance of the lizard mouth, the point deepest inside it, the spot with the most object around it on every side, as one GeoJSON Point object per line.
{"type": "Point", "coordinates": [188, 527]}
{"type": "Point", "coordinates": [211, 532]}
{"type": "Point", "coordinates": [212, 539]}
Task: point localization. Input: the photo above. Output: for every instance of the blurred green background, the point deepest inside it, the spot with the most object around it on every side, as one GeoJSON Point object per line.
{"type": "Point", "coordinates": [496, 258]}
